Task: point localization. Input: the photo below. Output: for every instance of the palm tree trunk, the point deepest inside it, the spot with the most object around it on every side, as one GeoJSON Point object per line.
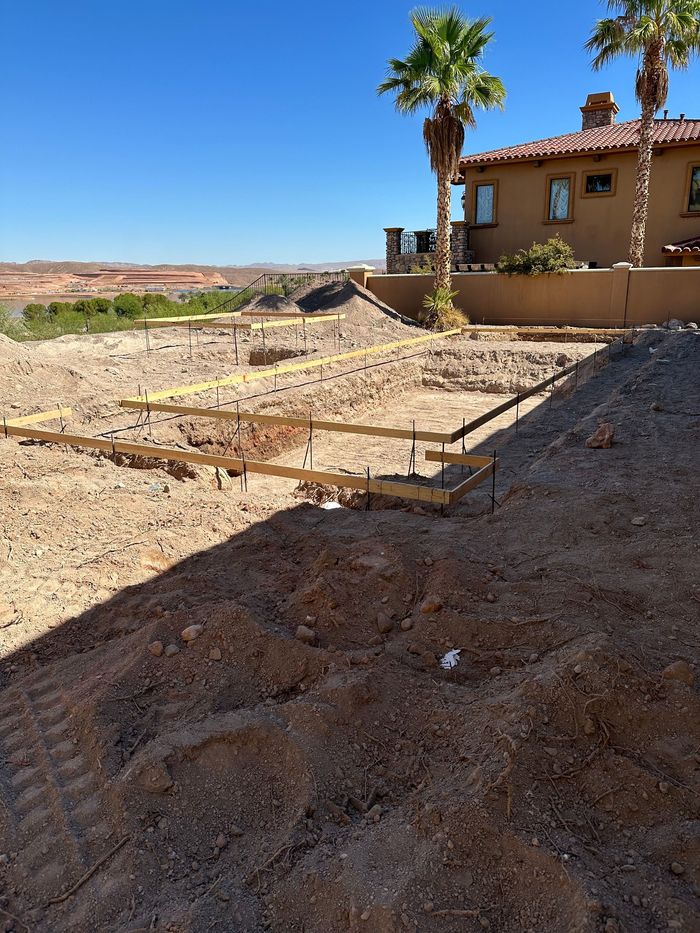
{"type": "Point", "coordinates": [641, 194]}
{"type": "Point", "coordinates": [443, 259]}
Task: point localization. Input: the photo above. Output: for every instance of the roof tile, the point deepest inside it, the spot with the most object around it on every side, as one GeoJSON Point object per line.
{"type": "Point", "coordinates": [602, 138]}
{"type": "Point", "coordinates": [684, 246]}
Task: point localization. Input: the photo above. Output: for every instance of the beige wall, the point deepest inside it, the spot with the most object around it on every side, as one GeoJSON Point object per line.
{"type": "Point", "coordinates": [587, 298]}
{"type": "Point", "coordinates": [600, 229]}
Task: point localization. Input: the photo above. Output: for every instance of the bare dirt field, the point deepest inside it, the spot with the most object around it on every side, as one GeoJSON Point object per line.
{"type": "Point", "coordinates": [245, 775]}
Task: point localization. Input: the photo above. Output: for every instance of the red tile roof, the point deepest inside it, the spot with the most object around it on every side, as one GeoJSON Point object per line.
{"type": "Point", "coordinates": [684, 246]}
{"type": "Point", "coordinates": [600, 139]}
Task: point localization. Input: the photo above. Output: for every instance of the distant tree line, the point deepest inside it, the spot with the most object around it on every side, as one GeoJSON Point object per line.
{"type": "Point", "coordinates": [126, 305]}
{"type": "Point", "coordinates": [103, 315]}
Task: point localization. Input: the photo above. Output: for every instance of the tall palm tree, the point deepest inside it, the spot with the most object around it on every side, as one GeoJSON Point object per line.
{"type": "Point", "coordinates": [443, 72]}
{"type": "Point", "coordinates": [659, 34]}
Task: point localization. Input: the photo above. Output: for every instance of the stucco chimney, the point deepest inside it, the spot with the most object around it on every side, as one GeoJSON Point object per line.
{"type": "Point", "coordinates": [600, 110]}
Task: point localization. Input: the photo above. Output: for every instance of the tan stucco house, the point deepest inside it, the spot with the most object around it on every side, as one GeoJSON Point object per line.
{"type": "Point", "coordinates": [581, 186]}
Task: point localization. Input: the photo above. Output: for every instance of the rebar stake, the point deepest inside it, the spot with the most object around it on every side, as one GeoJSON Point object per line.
{"type": "Point", "coordinates": [493, 484]}
{"type": "Point", "coordinates": [367, 507]}
{"type": "Point", "coordinates": [309, 446]}
{"type": "Point", "coordinates": [517, 413]}
{"type": "Point", "coordinates": [412, 458]}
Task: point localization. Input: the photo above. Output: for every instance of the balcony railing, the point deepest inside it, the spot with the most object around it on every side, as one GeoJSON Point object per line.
{"type": "Point", "coordinates": [418, 241]}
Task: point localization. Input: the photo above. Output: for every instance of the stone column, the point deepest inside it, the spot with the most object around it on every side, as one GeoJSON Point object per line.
{"type": "Point", "coordinates": [461, 253]}
{"type": "Point", "coordinates": [393, 249]}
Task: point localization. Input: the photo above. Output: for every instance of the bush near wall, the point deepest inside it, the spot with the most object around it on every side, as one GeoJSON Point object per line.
{"type": "Point", "coordinates": [553, 256]}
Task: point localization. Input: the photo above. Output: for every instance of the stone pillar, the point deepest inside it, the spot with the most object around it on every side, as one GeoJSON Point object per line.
{"type": "Point", "coordinates": [393, 249]}
{"type": "Point", "coordinates": [461, 254]}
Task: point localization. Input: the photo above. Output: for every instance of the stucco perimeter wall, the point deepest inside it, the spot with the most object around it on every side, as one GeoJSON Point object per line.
{"type": "Point", "coordinates": [585, 298]}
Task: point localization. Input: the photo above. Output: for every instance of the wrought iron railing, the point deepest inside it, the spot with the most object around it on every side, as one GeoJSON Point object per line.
{"type": "Point", "coordinates": [418, 241]}
{"type": "Point", "coordinates": [278, 283]}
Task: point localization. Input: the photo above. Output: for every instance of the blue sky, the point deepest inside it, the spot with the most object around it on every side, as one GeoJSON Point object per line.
{"type": "Point", "coordinates": [217, 131]}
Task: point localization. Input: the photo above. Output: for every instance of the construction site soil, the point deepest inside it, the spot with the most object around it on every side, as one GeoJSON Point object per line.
{"type": "Point", "coordinates": [241, 711]}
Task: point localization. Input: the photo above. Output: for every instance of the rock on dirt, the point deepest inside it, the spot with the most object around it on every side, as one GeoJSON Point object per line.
{"type": "Point", "coordinates": [679, 671]}
{"type": "Point", "coordinates": [156, 648]}
{"type": "Point", "coordinates": [191, 632]}
{"type": "Point", "coordinates": [430, 605]}
{"type": "Point", "coordinates": [171, 651]}
{"type": "Point", "coordinates": [602, 439]}
{"type": "Point", "coordinates": [305, 635]}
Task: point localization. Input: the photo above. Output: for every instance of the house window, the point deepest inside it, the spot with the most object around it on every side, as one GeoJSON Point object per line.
{"type": "Point", "coordinates": [560, 199]}
{"type": "Point", "coordinates": [599, 184]}
{"type": "Point", "coordinates": [694, 190]}
{"type": "Point", "coordinates": [484, 196]}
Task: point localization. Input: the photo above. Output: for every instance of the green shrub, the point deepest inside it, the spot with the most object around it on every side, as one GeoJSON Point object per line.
{"type": "Point", "coordinates": [553, 256]}
{"type": "Point", "coordinates": [422, 267]}
{"type": "Point", "coordinates": [442, 314]}
{"type": "Point", "coordinates": [128, 305]}
{"type": "Point", "coordinates": [35, 312]}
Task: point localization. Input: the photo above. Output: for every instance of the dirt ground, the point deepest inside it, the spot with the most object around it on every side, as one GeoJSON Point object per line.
{"type": "Point", "coordinates": [261, 777]}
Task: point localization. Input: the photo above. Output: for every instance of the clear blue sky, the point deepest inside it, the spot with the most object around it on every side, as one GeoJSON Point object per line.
{"type": "Point", "coordinates": [217, 131]}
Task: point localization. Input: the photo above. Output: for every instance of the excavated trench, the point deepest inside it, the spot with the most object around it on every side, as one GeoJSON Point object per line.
{"type": "Point", "coordinates": [438, 390]}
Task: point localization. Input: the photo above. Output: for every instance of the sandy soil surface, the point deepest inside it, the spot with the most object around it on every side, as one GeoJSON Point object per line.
{"type": "Point", "coordinates": [247, 779]}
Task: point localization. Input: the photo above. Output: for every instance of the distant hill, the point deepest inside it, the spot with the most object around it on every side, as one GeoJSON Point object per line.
{"type": "Point", "coordinates": [233, 274]}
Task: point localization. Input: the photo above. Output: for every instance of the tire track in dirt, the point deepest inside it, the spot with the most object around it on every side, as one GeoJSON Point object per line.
{"type": "Point", "coordinates": [49, 787]}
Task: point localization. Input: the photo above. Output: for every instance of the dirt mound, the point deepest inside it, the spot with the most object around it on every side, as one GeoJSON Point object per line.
{"type": "Point", "coordinates": [277, 304]}
{"type": "Point", "coordinates": [13, 352]}
{"type": "Point", "coordinates": [347, 297]}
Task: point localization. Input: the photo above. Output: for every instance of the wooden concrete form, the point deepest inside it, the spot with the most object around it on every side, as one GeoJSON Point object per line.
{"type": "Point", "coordinates": [38, 418]}
{"type": "Point", "coordinates": [487, 466]}
{"type": "Point", "coordinates": [544, 331]}
{"type": "Point", "coordinates": [185, 318]}
{"type": "Point", "coordinates": [340, 427]}
{"type": "Point", "coordinates": [235, 464]}
{"type": "Point", "coordinates": [205, 321]}
{"type": "Point", "coordinates": [254, 376]}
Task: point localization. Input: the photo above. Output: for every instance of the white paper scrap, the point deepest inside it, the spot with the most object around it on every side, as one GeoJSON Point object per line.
{"type": "Point", "coordinates": [451, 659]}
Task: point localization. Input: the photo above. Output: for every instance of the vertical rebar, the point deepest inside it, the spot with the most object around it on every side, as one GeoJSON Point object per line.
{"type": "Point", "coordinates": [493, 484]}
{"type": "Point", "coordinates": [368, 492]}
{"type": "Point", "coordinates": [517, 413]}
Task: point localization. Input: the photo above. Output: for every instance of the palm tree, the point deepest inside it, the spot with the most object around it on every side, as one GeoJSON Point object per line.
{"type": "Point", "coordinates": [660, 34]}
{"type": "Point", "coordinates": [443, 72]}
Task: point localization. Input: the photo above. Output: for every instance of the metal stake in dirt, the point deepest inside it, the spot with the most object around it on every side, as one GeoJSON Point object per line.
{"type": "Point", "coordinates": [309, 446]}
{"type": "Point", "coordinates": [412, 458]}
{"type": "Point", "coordinates": [517, 413]}
{"type": "Point", "coordinates": [493, 484]}
{"type": "Point", "coordinates": [367, 508]}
